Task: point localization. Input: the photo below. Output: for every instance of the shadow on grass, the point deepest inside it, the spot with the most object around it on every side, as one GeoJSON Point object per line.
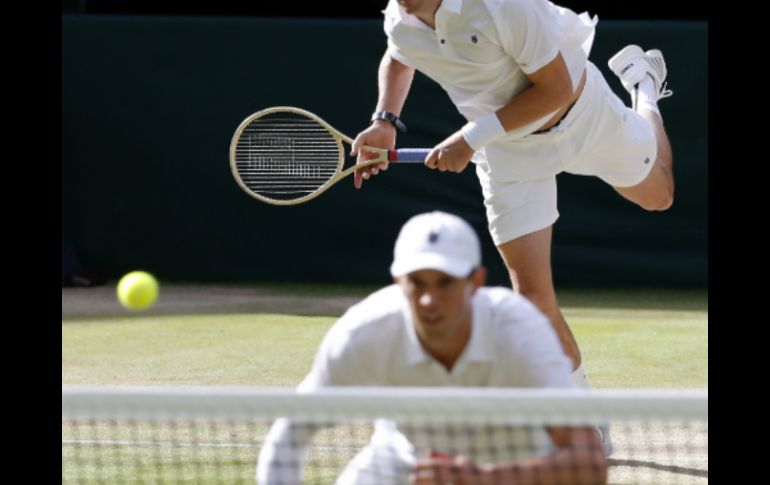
{"type": "Point", "coordinates": [100, 303]}
{"type": "Point", "coordinates": [634, 298]}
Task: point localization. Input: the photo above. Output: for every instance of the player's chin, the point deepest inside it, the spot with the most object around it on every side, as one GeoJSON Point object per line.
{"type": "Point", "coordinates": [432, 320]}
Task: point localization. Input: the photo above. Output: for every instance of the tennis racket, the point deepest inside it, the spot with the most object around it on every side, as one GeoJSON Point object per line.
{"type": "Point", "coordinates": [286, 156]}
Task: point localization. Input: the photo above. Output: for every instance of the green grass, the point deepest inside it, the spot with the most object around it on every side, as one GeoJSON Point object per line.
{"type": "Point", "coordinates": [230, 349]}
{"type": "Point", "coordinates": [629, 339]}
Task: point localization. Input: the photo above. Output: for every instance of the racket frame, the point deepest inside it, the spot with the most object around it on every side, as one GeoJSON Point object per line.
{"type": "Point", "coordinates": [383, 155]}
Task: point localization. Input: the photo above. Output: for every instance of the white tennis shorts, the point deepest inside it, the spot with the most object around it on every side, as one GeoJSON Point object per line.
{"type": "Point", "coordinates": [600, 136]}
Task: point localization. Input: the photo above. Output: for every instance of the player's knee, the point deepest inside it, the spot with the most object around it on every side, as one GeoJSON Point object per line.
{"type": "Point", "coordinates": [659, 201]}
{"type": "Point", "coordinates": [667, 202]}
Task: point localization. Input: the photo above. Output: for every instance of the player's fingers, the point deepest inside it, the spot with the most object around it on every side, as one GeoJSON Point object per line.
{"type": "Point", "coordinates": [431, 159]}
{"type": "Point", "coordinates": [441, 162]}
{"type": "Point", "coordinates": [462, 461]}
{"type": "Point", "coordinates": [380, 167]}
{"type": "Point", "coordinates": [357, 182]}
{"type": "Point", "coordinates": [452, 167]}
{"type": "Point", "coordinates": [362, 174]}
{"type": "Point", "coordinates": [355, 146]}
{"type": "Point", "coordinates": [424, 474]}
{"type": "Point", "coordinates": [422, 480]}
{"type": "Point", "coordinates": [442, 473]}
{"type": "Point", "coordinates": [436, 455]}
{"type": "Point", "coordinates": [362, 154]}
{"type": "Point", "coordinates": [466, 471]}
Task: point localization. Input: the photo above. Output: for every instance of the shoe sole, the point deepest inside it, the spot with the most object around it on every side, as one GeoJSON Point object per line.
{"type": "Point", "coordinates": [658, 55]}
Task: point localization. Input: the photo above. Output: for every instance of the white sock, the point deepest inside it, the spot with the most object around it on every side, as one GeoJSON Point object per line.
{"type": "Point", "coordinates": [579, 376]}
{"type": "Point", "coordinates": [646, 96]}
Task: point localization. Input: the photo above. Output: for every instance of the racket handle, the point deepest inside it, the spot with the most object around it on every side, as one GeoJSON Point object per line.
{"type": "Point", "coordinates": [412, 155]}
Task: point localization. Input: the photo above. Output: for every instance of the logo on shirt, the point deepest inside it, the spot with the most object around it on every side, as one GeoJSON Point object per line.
{"type": "Point", "coordinates": [647, 160]}
{"type": "Point", "coordinates": [433, 237]}
{"type": "Point", "coordinates": [474, 39]}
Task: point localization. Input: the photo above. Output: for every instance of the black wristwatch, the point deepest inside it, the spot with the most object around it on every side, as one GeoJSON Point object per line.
{"type": "Point", "coordinates": [388, 116]}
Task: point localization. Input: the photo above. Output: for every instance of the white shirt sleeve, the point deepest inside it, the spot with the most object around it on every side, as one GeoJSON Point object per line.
{"type": "Point", "coordinates": [528, 31]}
{"type": "Point", "coordinates": [283, 453]}
{"type": "Point", "coordinates": [391, 18]}
{"type": "Point", "coordinates": [535, 356]}
{"type": "Point", "coordinates": [394, 52]}
{"type": "Point", "coordinates": [341, 359]}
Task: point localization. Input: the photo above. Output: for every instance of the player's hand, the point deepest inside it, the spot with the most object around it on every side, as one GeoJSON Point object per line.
{"type": "Point", "coordinates": [452, 154]}
{"type": "Point", "coordinates": [443, 469]}
{"type": "Point", "coordinates": [382, 134]}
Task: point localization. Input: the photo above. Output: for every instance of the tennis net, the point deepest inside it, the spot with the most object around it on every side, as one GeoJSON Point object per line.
{"type": "Point", "coordinates": [215, 434]}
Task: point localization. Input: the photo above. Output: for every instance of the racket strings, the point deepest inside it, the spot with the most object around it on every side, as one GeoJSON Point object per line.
{"type": "Point", "coordinates": [286, 156]}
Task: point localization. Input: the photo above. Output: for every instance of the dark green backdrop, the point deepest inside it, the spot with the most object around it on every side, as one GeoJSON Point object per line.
{"type": "Point", "coordinates": [149, 105]}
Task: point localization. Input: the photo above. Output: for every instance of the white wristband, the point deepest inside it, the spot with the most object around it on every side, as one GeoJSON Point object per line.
{"type": "Point", "coordinates": [483, 131]}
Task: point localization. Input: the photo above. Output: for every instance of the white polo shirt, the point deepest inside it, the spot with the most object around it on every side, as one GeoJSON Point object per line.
{"type": "Point", "coordinates": [374, 343]}
{"type": "Point", "coordinates": [481, 51]}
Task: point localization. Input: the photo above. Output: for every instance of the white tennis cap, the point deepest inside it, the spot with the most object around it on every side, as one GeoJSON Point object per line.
{"type": "Point", "coordinates": [436, 240]}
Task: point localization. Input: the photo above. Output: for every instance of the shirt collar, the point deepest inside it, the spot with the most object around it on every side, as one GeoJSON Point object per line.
{"type": "Point", "coordinates": [451, 6]}
{"type": "Point", "coordinates": [415, 354]}
{"type": "Point", "coordinates": [454, 6]}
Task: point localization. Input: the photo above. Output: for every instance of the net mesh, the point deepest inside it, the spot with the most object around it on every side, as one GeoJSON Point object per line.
{"type": "Point", "coordinates": [285, 156]}
{"type": "Point", "coordinates": [215, 435]}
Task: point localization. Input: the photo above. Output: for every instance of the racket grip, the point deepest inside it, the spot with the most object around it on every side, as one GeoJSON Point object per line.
{"type": "Point", "coordinates": [414, 155]}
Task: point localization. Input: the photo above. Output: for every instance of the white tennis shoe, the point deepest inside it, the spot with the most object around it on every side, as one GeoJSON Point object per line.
{"type": "Point", "coordinates": [632, 64]}
{"type": "Point", "coordinates": [603, 431]}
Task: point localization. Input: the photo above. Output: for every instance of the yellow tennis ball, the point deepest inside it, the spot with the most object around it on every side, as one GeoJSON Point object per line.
{"type": "Point", "coordinates": [137, 290]}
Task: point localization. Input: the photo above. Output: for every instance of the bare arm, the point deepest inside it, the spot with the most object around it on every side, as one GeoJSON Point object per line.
{"type": "Point", "coordinates": [551, 89]}
{"type": "Point", "coordinates": [578, 461]}
{"type": "Point", "coordinates": [394, 81]}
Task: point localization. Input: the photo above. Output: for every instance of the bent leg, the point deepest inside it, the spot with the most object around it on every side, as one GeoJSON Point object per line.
{"type": "Point", "coordinates": [656, 191]}
{"type": "Point", "coordinates": [643, 75]}
{"type": "Point", "coordinates": [528, 259]}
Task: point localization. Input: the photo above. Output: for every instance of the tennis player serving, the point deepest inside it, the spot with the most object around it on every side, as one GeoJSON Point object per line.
{"type": "Point", "coordinates": [518, 71]}
{"type": "Point", "coordinates": [437, 325]}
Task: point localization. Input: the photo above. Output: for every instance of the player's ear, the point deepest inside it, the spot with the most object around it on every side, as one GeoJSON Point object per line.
{"type": "Point", "coordinates": [479, 277]}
